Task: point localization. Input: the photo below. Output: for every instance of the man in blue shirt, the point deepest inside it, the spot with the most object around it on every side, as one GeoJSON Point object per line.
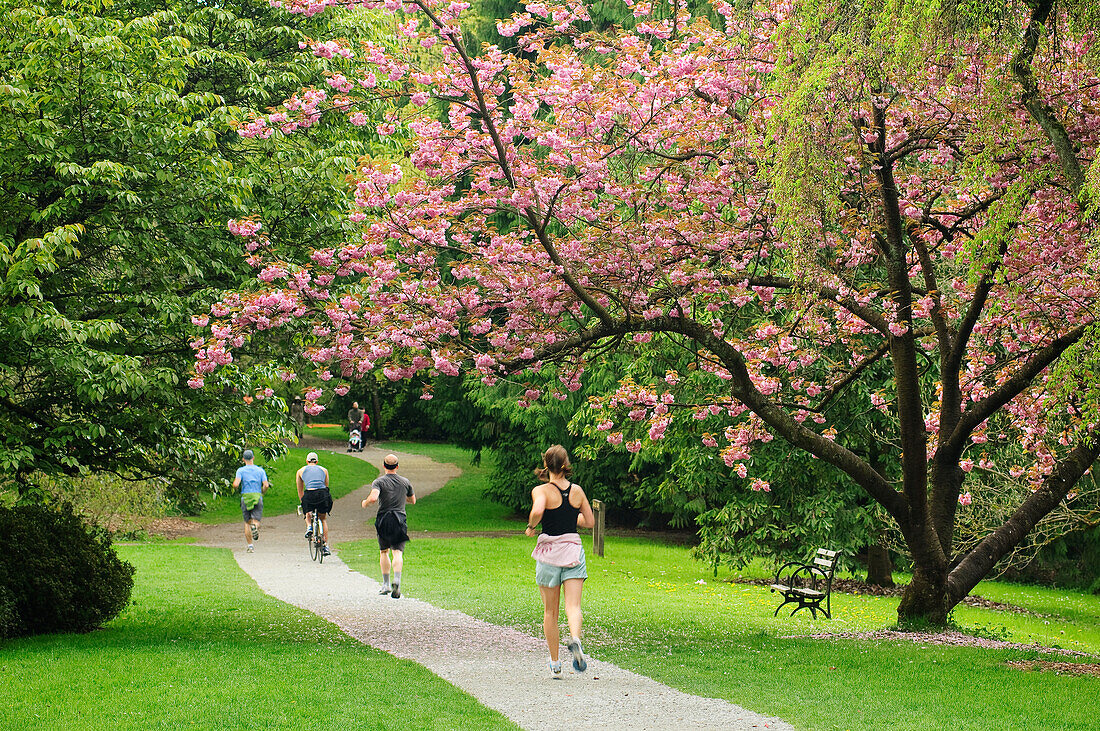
{"type": "Point", "coordinates": [252, 480]}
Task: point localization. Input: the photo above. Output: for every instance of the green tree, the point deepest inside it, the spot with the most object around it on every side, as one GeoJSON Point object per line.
{"type": "Point", "coordinates": [119, 166]}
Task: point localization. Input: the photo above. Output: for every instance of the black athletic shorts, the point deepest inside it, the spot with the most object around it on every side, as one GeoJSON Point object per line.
{"type": "Point", "coordinates": [393, 531]}
{"type": "Point", "coordinates": [319, 500]}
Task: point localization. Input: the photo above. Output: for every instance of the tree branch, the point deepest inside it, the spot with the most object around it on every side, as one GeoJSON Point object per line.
{"type": "Point", "coordinates": [743, 390]}
{"type": "Point", "coordinates": [974, 567]}
{"type": "Point", "coordinates": [981, 410]}
{"type": "Point", "coordinates": [1039, 110]}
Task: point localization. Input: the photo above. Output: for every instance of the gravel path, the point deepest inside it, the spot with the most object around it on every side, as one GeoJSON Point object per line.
{"type": "Point", "coordinates": [501, 667]}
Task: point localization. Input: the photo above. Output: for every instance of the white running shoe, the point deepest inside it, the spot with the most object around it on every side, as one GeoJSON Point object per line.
{"type": "Point", "coordinates": [579, 663]}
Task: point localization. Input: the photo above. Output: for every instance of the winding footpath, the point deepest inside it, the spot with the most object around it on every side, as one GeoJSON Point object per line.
{"type": "Point", "coordinates": [504, 669]}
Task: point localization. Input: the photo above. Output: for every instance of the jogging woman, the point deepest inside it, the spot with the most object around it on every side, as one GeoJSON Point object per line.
{"type": "Point", "coordinates": [562, 508]}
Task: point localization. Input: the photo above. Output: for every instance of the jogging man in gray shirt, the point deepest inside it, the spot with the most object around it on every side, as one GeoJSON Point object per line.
{"type": "Point", "coordinates": [392, 492]}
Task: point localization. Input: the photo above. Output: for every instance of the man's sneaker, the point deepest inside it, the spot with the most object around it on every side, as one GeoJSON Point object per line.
{"type": "Point", "coordinates": [250, 549]}
{"type": "Point", "coordinates": [396, 593]}
{"type": "Point", "coordinates": [386, 589]}
{"type": "Point", "coordinates": [325, 551]}
{"type": "Point", "coordinates": [579, 663]}
{"type": "Point", "coordinates": [555, 670]}
{"type": "Point", "coordinates": [255, 532]}
{"type": "Point", "coordinates": [309, 532]}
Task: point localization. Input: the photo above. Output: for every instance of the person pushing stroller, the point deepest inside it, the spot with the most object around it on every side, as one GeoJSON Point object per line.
{"type": "Point", "coordinates": [355, 432]}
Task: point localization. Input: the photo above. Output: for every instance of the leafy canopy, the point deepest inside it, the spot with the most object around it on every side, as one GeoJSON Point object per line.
{"type": "Point", "coordinates": [792, 194]}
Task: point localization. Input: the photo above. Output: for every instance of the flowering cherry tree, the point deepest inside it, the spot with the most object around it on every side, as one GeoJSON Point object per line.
{"type": "Point", "coordinates": [799, 198]}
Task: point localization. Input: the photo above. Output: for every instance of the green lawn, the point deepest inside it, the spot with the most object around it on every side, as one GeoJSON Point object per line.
{"type": "Point", "coordinates": [327, 431]}
{"type": "Point", "coordinates": [346, 473]}
{"type": "Point", "coordinates": [179, 656]}
{"type": "Point", "coordinates": [202, 647]}
{"type": "Point", "coordinates": [461, 506]}
{"type": "Point", "coordinates": [649, 607]}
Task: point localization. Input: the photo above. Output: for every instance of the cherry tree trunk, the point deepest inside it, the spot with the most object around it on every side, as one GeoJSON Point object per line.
{"type": "Point", "coordinates": [925, 599]}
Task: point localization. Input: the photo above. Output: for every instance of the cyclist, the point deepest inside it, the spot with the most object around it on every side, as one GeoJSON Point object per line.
{"type": "Point", "coordinates": [312, 481]}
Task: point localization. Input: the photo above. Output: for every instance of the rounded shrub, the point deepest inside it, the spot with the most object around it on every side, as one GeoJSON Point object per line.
{"type": "Point", "coordinates": [57, 573]}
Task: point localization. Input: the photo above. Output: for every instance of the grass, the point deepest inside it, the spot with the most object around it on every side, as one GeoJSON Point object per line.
{"type": "Point", "coordinates": [202, 647]}
{"type": "Point", "coordinates": [200, 637]}
{"type": "Point", "coordinates": [649, 607]}
{"type": "Point", "coordinates": [461, 506]}
{"type": "Point", "coordinates": [326, 431]}
{"type": "Point", "coordinates": [346, 473]}
{"type": "Point", "coordinates": [645, 611]}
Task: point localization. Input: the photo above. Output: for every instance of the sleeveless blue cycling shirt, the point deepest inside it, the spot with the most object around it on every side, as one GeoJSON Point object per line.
{"type": "Point", "coordinates": [313, 477]}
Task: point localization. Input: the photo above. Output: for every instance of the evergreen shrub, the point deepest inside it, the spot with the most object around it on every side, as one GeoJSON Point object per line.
{"type": "Point", "coordinates": [57, 572]}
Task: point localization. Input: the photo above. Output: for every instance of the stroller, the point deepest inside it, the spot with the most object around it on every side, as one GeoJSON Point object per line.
{"type": "Point", "coordinates": [355, 441]}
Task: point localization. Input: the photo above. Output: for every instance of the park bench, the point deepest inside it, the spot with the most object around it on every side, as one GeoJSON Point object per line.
{"type": "Point", "coordinates": [807, 585]}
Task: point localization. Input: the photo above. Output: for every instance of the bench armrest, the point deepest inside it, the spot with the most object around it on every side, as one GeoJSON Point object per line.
{"type": "Point", "coordinates": [780, 576]}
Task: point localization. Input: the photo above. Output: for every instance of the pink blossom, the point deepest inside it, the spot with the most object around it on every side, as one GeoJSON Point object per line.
{"type": "Point", "coordinates": [657, 429]}
{"type": "Point", "coordinates": [245, 228]}
{"type": "Point", "coordinates": [637, 169]}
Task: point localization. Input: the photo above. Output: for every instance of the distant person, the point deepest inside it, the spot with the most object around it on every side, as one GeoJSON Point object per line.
{"type": "Point", "coordinates": [312, 482]}
{"type": "Point", "coordinates": [252, 481]}
{"type": "Point", "coordinates": [562, 507]}
{"type": "Point", "coordinates": [355, 416]}
{"type": "Point", "coordinates": [392, 492]}
{"type": "Point", "coordinates": [364, 425]}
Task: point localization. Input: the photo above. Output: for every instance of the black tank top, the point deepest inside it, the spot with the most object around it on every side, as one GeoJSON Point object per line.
{"type": "Point", "coordinates": [562, 519]}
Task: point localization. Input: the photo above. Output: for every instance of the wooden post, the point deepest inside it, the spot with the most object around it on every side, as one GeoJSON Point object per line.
{"type": "Point", "coordinates": [598, 529]}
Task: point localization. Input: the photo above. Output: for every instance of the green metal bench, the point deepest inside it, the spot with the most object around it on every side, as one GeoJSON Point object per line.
{"type": "Point", "coordinates": [807, 585]}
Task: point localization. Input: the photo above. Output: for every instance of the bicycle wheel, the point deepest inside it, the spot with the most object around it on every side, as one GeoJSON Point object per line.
{"type": "Point", "coordinates": [314, 548]}
{"type": "Point", "coordinates": [320, 544]}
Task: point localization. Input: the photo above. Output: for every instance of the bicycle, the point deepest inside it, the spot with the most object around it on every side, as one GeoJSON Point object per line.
{"type": "Point", "coordinates": [316, 538]}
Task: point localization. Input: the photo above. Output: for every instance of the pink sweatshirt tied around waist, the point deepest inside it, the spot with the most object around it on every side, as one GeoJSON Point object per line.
{"type": "Point", "coordinates": [564, 550]}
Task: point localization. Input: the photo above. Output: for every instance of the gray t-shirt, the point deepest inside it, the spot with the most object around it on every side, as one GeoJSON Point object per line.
{"type": "Point", "coordinates": [392, 491]}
